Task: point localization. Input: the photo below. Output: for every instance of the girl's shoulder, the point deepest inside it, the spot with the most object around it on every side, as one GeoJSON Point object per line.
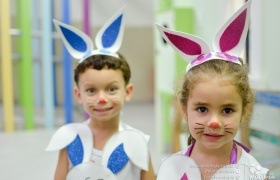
{"type": "Point", "coordinates": [250, 161]}
{"type": "Point", "coordinates": [182, 152]}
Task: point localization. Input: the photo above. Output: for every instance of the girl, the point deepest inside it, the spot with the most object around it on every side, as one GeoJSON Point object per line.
{"type": "Point", "coordinates": [215, 98]}
{"type": "Point", "coordinates": [102, 147]}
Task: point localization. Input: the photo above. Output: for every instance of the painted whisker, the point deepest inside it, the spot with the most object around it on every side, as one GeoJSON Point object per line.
{"type": "Point", "coordinates": [200, 124]}
{"type": "Point", "coordinates": [229, 132]}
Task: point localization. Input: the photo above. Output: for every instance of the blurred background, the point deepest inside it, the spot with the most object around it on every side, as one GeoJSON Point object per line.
{"type": "Point", "coordinates": [36, 73]}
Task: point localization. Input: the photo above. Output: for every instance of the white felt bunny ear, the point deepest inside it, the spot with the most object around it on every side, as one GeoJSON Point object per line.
{"type": "Point", "coordinates": [109, 37]}
{"type": "Point", "coordinates": [179, 167]}
{"type": "Point", "coordinates": [187, 45]}
{"type": "Point", "coordinates": [76, 42]}
{"type": "Point", "coordinates": [228, 42]}
{"type": "Point", "coordinates": [124, 146]}
{"type": "Point", "coordinates": [232, 36]}
{"type": "Point", "coordinates": [77, 138]}
{"type": "Point", "coordinates": [89, 171]}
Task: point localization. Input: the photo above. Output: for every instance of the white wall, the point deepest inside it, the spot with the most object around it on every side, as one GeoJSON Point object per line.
{"type": "Point", "coordinates": [138, 12]}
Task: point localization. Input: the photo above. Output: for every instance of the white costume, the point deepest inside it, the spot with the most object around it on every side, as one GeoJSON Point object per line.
{"type": "Point", "coordinates": [180, 166]}
{"type": "Point", "coordinates": [124, 155]}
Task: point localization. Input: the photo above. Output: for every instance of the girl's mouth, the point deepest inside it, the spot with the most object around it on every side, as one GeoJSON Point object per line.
{"type": "Point", "coordinates": [213, 137]}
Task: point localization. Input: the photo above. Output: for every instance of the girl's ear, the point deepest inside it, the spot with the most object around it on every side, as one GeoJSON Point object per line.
{"type": "Point", "coordinates": [128, 90]}
{"type": "Point", "coordinates": [184, 113]}
{"type": "Point", "coordinates": [247, 111]}
{"type": "Point", "coordinates": [78, 94]}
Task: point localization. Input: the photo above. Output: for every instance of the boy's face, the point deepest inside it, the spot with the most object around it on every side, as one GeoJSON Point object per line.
{"type": "Point", "coordinates": [103, 93]}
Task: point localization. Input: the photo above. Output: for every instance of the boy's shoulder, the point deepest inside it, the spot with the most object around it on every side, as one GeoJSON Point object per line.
{"type": "Point", "coordinates": [69, 133]}
{"type": "Point", "coordinates": [124, 126]}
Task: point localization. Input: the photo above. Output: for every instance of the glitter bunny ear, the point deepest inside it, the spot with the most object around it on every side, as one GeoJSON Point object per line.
{"type": "Point", "coordinates": [187, 45]}
{"type": "Point", "coordinates": [109, 37]}
{"type": "Point", "coordinates": [78, 142]}
{"type": "Point", "coordinates": [78, 44]}
{"type": "Point", "coordinates": [178, 166]}
{"type": "Point", "coordinates": [231, 37]}
{"type": "Point", "coordinates": [227, 44]}
{"type": "Point", "coordinates": [125, 145]}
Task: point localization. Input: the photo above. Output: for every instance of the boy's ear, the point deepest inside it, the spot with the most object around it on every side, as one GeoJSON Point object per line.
{"type": "Point", "coordinates": [78, 94]}
{"type": "Point", "coordinates": [129, 90]}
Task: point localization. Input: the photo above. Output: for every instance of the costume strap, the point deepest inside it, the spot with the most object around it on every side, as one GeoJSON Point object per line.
{"type": "Point", "coordinates": [233, 155]}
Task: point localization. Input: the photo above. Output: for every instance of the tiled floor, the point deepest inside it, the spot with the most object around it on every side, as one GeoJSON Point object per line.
{"type": "Point", "coordinates": [22, 155]}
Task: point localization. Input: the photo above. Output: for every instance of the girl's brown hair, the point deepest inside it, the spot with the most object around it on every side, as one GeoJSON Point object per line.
{"type": "Point", "coordinates": [227, 71]}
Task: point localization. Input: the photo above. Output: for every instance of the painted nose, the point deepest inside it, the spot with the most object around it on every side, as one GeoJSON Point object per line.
{"type": "Point", "coordinates": [214, 124]}
{"type": "Point", "coordinates": [102, 100]}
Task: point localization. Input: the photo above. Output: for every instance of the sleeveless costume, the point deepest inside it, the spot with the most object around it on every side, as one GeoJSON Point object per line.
{"type": "Point", "coordinates": [124, 155]}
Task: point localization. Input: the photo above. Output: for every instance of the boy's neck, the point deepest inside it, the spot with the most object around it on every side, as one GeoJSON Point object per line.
{"type": "Point", "coordinates": [102, 131]}
{"type": "Point", "coordinates": [112, 125]}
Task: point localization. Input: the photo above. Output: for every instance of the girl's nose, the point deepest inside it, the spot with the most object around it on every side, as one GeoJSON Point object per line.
{"type": "Point", "coordinates": [214, 125]}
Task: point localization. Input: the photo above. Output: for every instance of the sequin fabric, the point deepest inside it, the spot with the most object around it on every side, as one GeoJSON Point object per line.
{"type": "Point", "coordinates": [118, 159]}
{"type": "Point", "coordinates": [75, 151]}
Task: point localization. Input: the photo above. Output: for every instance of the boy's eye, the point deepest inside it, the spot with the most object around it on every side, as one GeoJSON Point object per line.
{"type": "Point", "coordinates": [227, 110]}
{"type": "Point", "coordinates": [91, 90]}
{"type": "Point", "coordinates": [202, 109]}
{"type": "Point", "coordinates": [112, 89]}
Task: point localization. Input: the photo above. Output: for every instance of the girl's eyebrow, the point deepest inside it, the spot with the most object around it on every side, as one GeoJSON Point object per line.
{"type": "Point", "coordinates": [200, 103]}
{"type": "Point", "coordinates": [230, 105]}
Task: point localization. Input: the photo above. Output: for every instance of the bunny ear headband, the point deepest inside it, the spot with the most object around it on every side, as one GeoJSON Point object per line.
{"type": "Point", "coordinates": [227, 44]}
{"type": "Point", "coordinates": [108, 39]}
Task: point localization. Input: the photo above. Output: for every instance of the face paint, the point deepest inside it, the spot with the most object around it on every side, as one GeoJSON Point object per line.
{"type": "Point", "coordinates": [102, 100]}
{"type": "Point", "coordinates": [214, 125]}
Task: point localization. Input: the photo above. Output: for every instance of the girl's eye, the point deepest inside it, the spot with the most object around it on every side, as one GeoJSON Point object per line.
{"type": "Point", "coordinates": [112, 89]}
{"type": "Point", "coordinates": [227, 111]}
{"type": "Point", "coordinates": [91, 90]}
{"type": "Point", "coordinates": [202, 109]}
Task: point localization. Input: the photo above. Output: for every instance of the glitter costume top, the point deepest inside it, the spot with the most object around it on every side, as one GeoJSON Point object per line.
{"type": "Point", "coordinates": [124, 155]}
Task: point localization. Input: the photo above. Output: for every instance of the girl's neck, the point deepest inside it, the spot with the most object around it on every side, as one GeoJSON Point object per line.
{"type": "Point", "coordinates": [223, 153]}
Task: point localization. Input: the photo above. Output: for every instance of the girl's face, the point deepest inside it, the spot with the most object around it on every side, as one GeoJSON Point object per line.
{"type": "Point", "coordinates": [103, 93]}
{"type": "Point", "coordinates": [213, 113]}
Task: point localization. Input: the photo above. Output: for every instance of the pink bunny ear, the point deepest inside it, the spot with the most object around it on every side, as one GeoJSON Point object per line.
{"type": "Point", "coordinates": [188, 46]}
{"type": "Point", "coordinates": [232, 36]}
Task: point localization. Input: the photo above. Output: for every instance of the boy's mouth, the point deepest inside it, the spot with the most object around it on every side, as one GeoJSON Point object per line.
{"type": "Point", "coordinates": [103, 109]}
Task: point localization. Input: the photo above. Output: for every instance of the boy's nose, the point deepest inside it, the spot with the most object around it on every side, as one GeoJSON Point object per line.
{"type": "Point", "coordinates": [101, 100]}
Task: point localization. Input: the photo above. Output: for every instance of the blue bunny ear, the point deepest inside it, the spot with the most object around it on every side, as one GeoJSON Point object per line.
{"type": "Point", "coordinates": [76, 42]}
{"type": "Point", "coordinates": [109, 37]}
